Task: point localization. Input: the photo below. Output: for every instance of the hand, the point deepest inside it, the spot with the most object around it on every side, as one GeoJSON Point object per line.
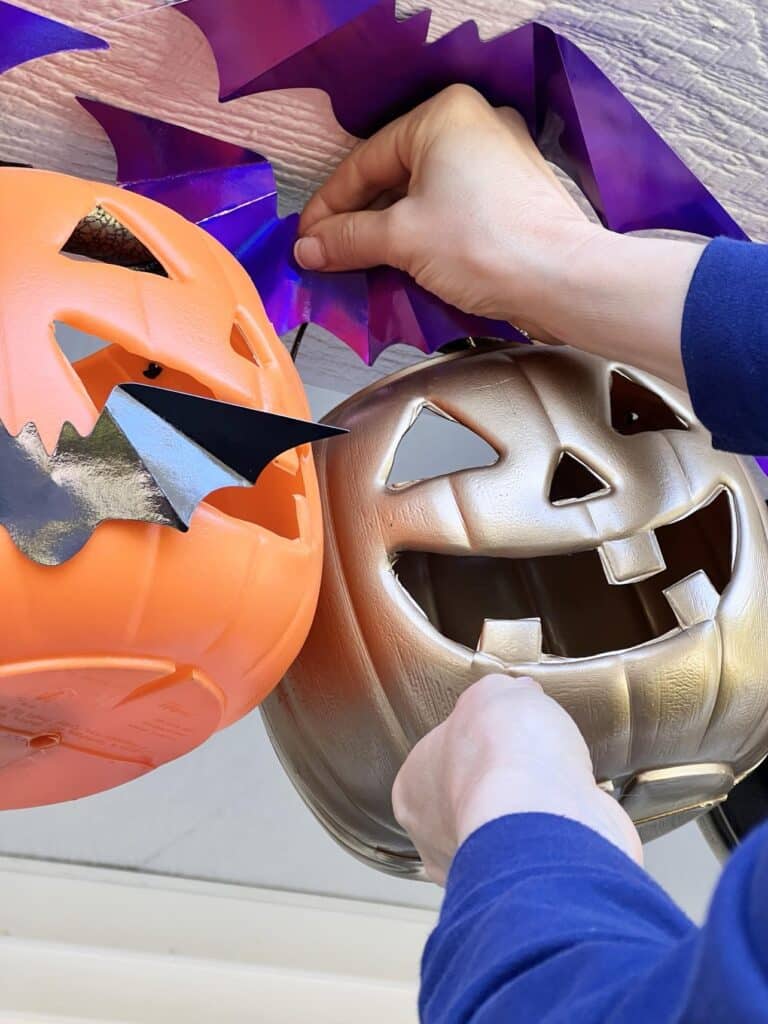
{"type": "Point", "coordinates": [506, 748]}
{"type": "Point", "coordinates": [477, 216]}
{"type": "Point", "coordinates": [456, 194]}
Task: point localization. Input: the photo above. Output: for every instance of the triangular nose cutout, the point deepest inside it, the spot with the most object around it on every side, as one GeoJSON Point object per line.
{"type": "Point", "coordinates": [573, 481]}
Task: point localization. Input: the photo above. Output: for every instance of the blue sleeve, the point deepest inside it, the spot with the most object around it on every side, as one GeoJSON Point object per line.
{"type": "Point", "coordinates": [546, 922]}
{"type": "Point", "coordinates": [724, 343]}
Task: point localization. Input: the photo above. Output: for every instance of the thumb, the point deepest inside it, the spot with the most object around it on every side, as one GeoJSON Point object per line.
{"type": "Point", "coordinates": [348, 241]}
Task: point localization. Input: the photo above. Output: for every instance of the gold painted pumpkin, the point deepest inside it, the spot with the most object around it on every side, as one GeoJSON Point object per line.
{"type": "Point", "coordinates": [608, 551]}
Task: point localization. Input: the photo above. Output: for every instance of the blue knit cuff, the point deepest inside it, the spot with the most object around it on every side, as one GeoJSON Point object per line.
{"type": "Point", "coordinates": [724, 343]}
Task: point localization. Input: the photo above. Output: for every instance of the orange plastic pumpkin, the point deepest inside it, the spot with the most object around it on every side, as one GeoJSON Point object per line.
{"type": "Point", "coordinates": [148, 640]}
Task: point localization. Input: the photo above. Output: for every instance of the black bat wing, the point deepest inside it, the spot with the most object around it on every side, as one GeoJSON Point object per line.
{"type": "Point", "coordinates": [193, 445]}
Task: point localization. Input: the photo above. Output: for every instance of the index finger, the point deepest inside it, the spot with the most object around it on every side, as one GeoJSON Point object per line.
{"type": "Point", "coordinates": [374, 166]}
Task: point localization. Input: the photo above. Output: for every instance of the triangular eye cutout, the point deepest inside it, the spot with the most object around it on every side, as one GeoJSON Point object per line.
{"type": "Point", "coordinates": [635, 409]}
{"type": "Point", "coordinates": [436, 445]}
{"type": "Point", "coordinates": [101, 238]}
{"type": "Point", "coordinates": [573, 481]}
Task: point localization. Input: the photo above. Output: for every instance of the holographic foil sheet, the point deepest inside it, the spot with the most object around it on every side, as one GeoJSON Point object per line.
{"type": "Point", "coordinates": [373, 67]}
{"type": "Point", "coordinates": [25, 36]}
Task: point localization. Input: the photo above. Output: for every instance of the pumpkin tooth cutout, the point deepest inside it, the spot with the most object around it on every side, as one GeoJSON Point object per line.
{"type": "Point", "coordinates": [511, 641]}
{"type": "Point", "coordinates": [693, 600]}
{"type": "Point", "coordinates": [631, 559]}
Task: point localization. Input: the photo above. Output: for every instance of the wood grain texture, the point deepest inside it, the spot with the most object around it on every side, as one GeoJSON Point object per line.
{"type": "Point", "coordinates": [697, 69]}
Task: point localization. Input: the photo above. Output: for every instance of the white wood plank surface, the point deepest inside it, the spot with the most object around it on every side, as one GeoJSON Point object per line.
{"type": "Point", "coordinates": [110, 947]}
{"type": "Point", "coordinates": [696, 68]}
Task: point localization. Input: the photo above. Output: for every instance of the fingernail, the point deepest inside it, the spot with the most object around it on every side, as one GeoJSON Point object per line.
{"type": "Point", "coordinates": [310, 253]}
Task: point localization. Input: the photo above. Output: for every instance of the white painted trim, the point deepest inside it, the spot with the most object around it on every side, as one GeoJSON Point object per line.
{"type": "Point", "coordinates": [87, 944]}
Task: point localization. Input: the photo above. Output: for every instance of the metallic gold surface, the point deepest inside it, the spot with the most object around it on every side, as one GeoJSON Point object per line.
{"type": "Point", "coordinates": [642, 607]}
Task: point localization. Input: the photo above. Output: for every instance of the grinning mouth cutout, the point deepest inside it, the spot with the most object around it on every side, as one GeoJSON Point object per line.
{"type": "Point", "coordinates": [578, 605]}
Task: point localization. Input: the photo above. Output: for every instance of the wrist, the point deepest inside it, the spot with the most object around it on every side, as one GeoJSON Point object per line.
{"type": "Point", "coordinates": [622, 297]}
{"type": "Point", "coordinates": [506, 790]}
{"type": "Point", "coordinates": [509, 792]}
{"type": "Point", "coordinates": [569, 283]}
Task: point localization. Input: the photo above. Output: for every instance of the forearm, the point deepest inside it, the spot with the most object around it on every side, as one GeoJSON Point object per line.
{"type": "Point", "coordinates": [696, 315]}
{"type": "Point", "coordinates": [619, 297]}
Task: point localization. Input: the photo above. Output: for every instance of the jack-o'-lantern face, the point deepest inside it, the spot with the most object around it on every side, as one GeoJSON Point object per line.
{"type": "Point", "coordinates": [148, 639]}
{"type": "Point", "coordinates": [604, 548]}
